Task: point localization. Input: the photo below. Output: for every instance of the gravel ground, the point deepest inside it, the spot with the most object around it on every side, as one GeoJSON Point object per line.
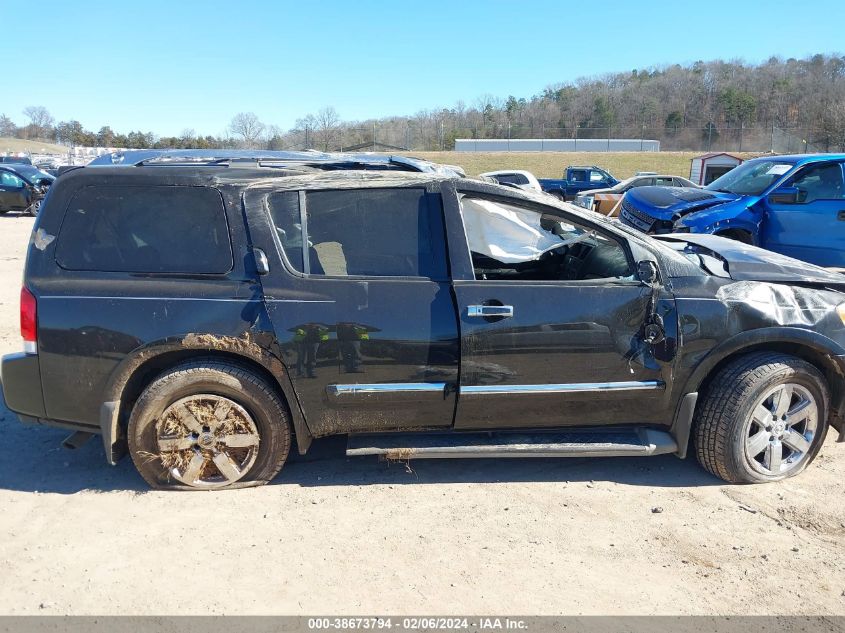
{"type": "Point", "coordinates": [356, 536]}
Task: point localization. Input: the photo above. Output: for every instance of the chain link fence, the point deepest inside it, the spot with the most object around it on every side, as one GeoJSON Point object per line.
{"type": "Point", "coordinates": [399, 136]}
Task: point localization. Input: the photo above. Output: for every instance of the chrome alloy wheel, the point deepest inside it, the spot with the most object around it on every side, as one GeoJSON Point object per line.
{"type": "Point", "coordinates": [207, 441]}
{"type": "Point", "coordinates": [781, 430]}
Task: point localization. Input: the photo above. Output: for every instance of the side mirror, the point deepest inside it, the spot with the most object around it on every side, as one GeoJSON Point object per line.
{"type": "Point", "coordinates": [647, 273]}
{"type": "Point", "coordinates": [784, 195]}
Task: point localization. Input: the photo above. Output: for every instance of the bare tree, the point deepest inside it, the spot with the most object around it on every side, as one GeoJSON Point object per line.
{"type": "Point", "coordinates": [247, 126]}
{"type": "Point", "coordinates": [327, 128]}
{"type": "Point", "coordinates": [40, 121]}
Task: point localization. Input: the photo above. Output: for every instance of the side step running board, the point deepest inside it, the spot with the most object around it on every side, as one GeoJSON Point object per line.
{"type": "Point", "coordinates": [573, 443]}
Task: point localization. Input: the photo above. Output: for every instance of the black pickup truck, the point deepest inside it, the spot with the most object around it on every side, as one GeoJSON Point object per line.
{"type": "Point", "coordinates": [207, 315]}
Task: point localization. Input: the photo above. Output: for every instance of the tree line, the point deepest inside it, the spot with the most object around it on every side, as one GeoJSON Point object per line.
{"type": "Point", "coordinates": [677, 104]}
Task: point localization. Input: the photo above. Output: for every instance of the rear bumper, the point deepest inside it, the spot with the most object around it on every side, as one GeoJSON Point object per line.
{"type": "Point", "coordinates": [21, 376]}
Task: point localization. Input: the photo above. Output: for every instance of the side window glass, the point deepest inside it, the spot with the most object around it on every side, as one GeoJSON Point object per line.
{"type": "Point", "coordinates": [664, 182]}
{"type": "Point", "coordinates": [596, 176]}
{"type": "Point", "coordinates": [287, 221]}
{"type": "Point", "coordinates": [363, 232]}
{"type": "Point", "coordinates": [578, 175]}
{"type": "Point", "coordinates": [643, 182]}
{"type": "Point", "coordinates": [508, 241]}
{"type": "Point", "coordinates": [821, 182]}
{"type": "Point", "coordinates": [10, 180]}
{"type": "Point", "coordinates": [147, 229]}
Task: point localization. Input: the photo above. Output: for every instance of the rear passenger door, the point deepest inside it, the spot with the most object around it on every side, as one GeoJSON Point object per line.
{"type": "Point", "coordinates": [359, 295]}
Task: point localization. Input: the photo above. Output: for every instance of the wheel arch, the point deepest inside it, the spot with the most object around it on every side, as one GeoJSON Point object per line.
{"type": "Point", "coordinates": [135, 372]}
{"type": "Point", "coordinates": [740, 234]}
{"type": "Point", "coordinates": [823, 353]}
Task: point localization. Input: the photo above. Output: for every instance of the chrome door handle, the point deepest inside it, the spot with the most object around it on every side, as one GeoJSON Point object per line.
{"type": "Point", "coordinates": [490, 311]}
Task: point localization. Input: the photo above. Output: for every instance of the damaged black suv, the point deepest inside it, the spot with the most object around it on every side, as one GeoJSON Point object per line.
{"type": "Point", "coordinates": [207, 314]}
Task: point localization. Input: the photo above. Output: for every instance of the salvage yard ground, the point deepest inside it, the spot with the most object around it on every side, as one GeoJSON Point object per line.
{"type": "Point", "coordinates": [335, 535]}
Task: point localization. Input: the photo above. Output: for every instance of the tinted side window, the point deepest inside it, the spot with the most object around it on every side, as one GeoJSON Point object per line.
{"type": "Point", "coordinates": [821, 182]}
{"type": "Point", "coordinates": [146, 229]}
{"type": "Point", "coordinates": [578, 175]}
{"type": "Point", "coordinates": [367, 232]}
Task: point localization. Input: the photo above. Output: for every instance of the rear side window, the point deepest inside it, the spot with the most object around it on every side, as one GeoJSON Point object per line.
{"type": "Point", "coordinates": [147, 229]}
{"type": "Point", "coordinates": [514, 179]}
{"type": "Point", "coordinates": [362, 232]}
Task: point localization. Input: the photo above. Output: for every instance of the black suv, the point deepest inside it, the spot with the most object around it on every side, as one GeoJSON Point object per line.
{"type": "Point", "coordinates": [204, 315]}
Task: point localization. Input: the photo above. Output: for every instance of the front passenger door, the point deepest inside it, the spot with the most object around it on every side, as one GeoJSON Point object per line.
{"type": "Point", "coordinates": [12, 191]}
{"type": "Point", "coordinates": [811, 228]}
{"type": "Point", "coordinates": [552, 319]}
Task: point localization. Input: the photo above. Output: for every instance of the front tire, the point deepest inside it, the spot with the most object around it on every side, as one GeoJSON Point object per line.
{"type": "Point", "coordinates": [208, 424]}
{"type": "Point", "coordinates": [763, 418]}
{"type": "Point", "coordinates": [34, 208]}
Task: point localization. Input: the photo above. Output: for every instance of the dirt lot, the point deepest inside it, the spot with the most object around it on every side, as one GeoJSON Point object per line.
{"type": "Point", "coordinates": [552, 164]}
{"type": "Point", "coordinates": [355, 536]}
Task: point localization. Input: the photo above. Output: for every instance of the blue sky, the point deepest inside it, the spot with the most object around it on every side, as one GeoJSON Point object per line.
{"type": "Point", "coordinates": [168, 66]}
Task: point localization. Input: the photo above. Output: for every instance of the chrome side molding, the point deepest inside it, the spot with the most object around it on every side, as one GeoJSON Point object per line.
{"type": "Point", "coordinates": [388, 387]}
{"type": "Point", "coordinates": [576, 387]}
{"type": "Point", "coordinates": [440, 387]}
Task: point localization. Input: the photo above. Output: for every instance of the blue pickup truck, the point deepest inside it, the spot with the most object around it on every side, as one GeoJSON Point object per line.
{"type": "Point", "coordinates": [578, 178]}
{"type": "Point", "coordinates": [794, 205]}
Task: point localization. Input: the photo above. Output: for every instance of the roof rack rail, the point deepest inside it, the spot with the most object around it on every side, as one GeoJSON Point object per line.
{"type": "Point", "coordinates": [271, 158]}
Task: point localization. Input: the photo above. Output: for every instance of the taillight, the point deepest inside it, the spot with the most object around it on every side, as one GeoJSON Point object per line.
{"type": "Point", "coordinates": [29, 330]}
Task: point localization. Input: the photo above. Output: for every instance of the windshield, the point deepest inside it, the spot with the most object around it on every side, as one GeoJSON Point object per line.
{"type": "Point", "coordinates": [32, 174]}
{"type": "Point", "coordinates": [751, 178]}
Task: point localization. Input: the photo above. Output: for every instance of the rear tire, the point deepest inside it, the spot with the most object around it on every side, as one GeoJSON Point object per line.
{"type": "Point", "coordinates": [763, 418]}
{"type": "Point", "coordinates": [208, 424]}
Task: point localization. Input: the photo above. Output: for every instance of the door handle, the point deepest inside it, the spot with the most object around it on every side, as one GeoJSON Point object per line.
{"type": "Point", "coordinates": [262, 265]}
{"type": "Point", "coordinates": [841, 216]}
{"type": "Point", "coordinates": [490, 311]}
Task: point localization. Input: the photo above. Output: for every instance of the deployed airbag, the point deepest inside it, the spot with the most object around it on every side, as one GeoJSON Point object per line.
{"type": "Point", "coordinates": [506, 233]}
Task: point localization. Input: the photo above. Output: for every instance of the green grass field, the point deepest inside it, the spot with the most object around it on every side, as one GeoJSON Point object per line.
{"type": "Point", "coordinates": [15, 145]}
{"type": "Point", "coordinates": [551, 164]}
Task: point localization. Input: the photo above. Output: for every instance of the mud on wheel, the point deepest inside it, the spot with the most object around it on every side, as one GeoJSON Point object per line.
{"type": "Point", "coordinates": [208, 424]}
{"type": "Point", "coordinates": [763, 418]}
